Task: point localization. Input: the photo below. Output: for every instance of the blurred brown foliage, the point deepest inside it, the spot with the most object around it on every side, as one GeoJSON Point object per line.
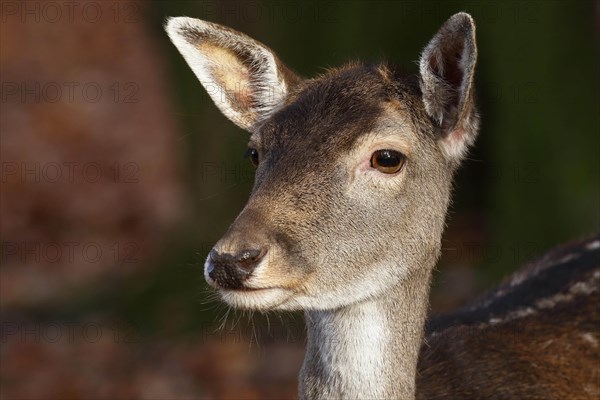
{"type": "Point", "coordinates": [90, 163]}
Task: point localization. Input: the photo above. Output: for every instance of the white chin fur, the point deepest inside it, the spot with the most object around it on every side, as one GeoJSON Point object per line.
{"type": "Point", "coordinates": [260, 300]}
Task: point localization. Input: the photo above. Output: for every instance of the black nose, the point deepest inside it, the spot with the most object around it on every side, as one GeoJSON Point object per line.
{"type": "Point", "coordinates": [230, 270]}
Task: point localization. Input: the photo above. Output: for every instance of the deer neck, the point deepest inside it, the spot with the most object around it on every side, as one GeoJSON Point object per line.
{"type": "Point", "coordinates": [370, 349]}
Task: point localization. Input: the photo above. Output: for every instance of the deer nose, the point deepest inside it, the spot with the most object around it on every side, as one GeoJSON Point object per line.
{"type": "Point", "coordinates": [230, 270]}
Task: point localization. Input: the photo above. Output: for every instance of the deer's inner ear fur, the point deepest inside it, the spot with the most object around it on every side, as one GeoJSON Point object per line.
{"type": "Point", "coordinates": [244, 78]}
{"type": "Point", "coordinates": [447, 69]}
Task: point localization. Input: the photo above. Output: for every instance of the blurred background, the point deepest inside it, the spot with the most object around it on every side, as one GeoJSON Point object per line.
{"type": "Point", "coordinates": [119, 174]}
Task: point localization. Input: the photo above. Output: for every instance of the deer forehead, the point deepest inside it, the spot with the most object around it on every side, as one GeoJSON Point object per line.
{"type": "Point", "coordinates": [349, 109]}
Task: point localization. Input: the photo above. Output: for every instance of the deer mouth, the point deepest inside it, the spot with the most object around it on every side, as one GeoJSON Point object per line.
{"type": "Point", "coordinates": [255, 298]}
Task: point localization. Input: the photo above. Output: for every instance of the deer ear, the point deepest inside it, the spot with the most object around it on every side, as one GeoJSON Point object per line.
{"type": "Point", "coordinates": [447, 69]}
{"type": "Point", "coordinates": [244, 78]}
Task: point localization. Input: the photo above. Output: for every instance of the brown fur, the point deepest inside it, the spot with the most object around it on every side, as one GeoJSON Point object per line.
{"type": "Point", "coordinates": [545, 346]}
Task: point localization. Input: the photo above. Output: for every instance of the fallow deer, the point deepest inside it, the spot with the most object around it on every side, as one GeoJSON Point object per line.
{"type": "Point", "coordinates": [353, 181]}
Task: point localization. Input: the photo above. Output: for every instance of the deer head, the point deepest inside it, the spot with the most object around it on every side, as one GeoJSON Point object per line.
{"type": "Point", "coordinates": [353, 168]}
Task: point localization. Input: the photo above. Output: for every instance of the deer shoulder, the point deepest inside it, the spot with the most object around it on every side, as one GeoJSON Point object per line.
{"type": "Point", "coordinates": [535, 336]}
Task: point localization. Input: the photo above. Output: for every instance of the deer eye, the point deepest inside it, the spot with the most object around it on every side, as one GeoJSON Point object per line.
{"type": "Point", "coordinates": [253, 155]}
{"type": "Point", "coordinates": [387, 161]}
